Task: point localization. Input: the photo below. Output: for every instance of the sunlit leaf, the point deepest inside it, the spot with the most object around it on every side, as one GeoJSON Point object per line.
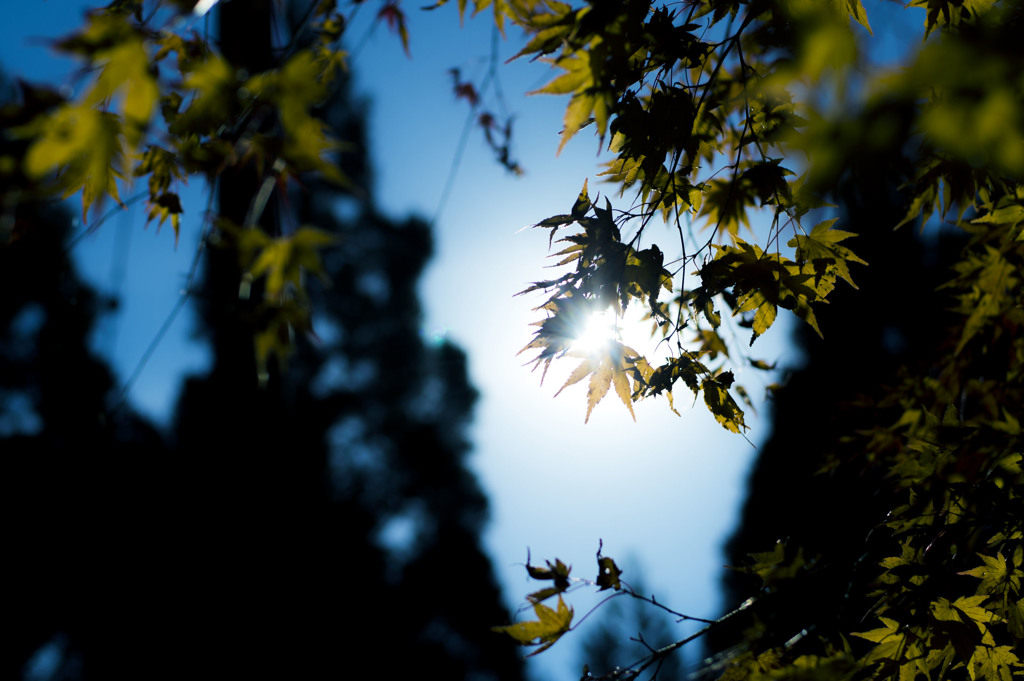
{"type": "Point", "coordinates": [822, 251]}
{"type": "Point", "coordinates": [611, 364]}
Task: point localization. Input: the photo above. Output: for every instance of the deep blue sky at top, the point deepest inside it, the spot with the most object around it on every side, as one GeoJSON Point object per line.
{"type": "Point", "coordinates": [662, 493]}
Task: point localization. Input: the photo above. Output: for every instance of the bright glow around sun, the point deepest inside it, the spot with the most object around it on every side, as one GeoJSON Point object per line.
{"type": "Point", "coordinates": [603, 327]}
{"type": "Point", "coordinates": [600, 328]}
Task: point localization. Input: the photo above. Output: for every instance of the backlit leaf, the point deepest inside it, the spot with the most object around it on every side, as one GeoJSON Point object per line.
{"type": "Point", "coordinates": [720, 403]}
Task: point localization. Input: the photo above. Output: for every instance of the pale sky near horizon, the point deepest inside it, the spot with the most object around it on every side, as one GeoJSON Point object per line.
{"type": "Point", "coordinates": [662, 493]}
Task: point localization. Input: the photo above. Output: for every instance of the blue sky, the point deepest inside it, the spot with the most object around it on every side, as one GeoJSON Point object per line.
{"type": "Point", "coordinates": [662, 493]}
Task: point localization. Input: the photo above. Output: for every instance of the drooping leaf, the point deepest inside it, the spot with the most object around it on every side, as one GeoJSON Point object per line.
{"type": "Point", "coordinates": [720, 402]}
{"type": "Point", "coordinates": [126, 74]}
{"type": "Point", "coordinates": [611, 364]}
{"type": "Point", "coordinates": [283, 260]}
{"type": "Point", "coordinates": [394, 17]}
{"type": "Point", "coordinates": [214, 100]}
{"type": "Point", "coordinates": [608, 573]}
{"type": "Point", "coordinates": [167, 205]}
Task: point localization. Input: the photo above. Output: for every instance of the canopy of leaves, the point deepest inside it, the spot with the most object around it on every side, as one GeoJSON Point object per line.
{"type": "Point", "coordinates": [710, 108]}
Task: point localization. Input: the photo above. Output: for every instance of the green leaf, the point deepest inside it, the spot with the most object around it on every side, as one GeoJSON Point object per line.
{"type": "Point", "coordinates": [214, 99]}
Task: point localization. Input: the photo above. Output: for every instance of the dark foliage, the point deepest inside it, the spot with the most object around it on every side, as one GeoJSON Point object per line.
{"type": "Point", "coordinates": [810, 487]}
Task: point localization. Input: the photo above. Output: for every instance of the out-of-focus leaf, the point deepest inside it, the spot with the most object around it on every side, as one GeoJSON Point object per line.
{"type": "Point", "coordinates": [83, 147]}
{"type": "Point", "coordinates": [283, 260]}
{"type": "Point", "coordinates": [543, 632]}
{"type": "Point", "coordinates": [165, 206]}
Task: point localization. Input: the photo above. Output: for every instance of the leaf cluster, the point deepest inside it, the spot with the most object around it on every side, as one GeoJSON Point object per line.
{"type": "Point", "coordinates": [756, 89]}
{"type": "Point", "coordinates": [163, 106]}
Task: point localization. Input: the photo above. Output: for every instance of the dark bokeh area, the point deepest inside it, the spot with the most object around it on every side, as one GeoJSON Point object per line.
{"type": "Point", "coordinates": [323, 525]}
{"type": "Point", "coordinates": [811, 486]}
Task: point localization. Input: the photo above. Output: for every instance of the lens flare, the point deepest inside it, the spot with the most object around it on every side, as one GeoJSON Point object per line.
{"type": "Point", "coordinates": [600, 329]}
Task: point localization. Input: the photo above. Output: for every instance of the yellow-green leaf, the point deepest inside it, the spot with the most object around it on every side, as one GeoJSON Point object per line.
{"type": "Point", "coordinates": [995, 663]}
{"type": "Point", "coordinates": [991, 573]}
{"type": "Point", "coordinates": [720, 402]}
{"type": "Point", "coordinates": [83, 147]}
{"type": "Point", "coordinates": [284, 259]}
{"type": "Point", "coordinates": [126, 74]}
{"type": "Point", "coordinates": [549, 626]}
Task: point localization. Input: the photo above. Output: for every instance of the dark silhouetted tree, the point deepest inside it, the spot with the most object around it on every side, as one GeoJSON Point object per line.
{"type": "Point", "coordinates": [80, 477]}
{"type": "Point", "coordinates": [337, 524]}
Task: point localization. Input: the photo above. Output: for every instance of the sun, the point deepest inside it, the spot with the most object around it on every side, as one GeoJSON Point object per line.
{"type": "Point", "coordinates": [599, 329]}
{"type": "Point", "coordinates": [603, 327]}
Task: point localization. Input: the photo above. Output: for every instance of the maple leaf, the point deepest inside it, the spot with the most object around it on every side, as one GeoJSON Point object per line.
{"type": "Point", "coordinates": [283, 260]}
{"type": "Point", "coordinates": [970, 606]}
{"type": "Point", "coordinates": [995, 663]}
{"type": "Point", "coordinates": [822, 251]}
{"type": "Point", "coordinates": [83, 147]}
{"type": "Point", "coordinates": [126, 74]}
{"type": "Point", "coordinates": [586, 99]}
{"type": "Point", "coordinates": [280, 322]}
{"type": "Point", "coordinates": [611, 365]}
{"type": "Point", "coordinates": [545, 631]}
{"type": "Point", "coordinates": [991, 574]}
{"type": "Point", "coordinates": [889, 640]}
{"type": "Point", "coordinates": [557, 572]}
{"type": "Point", "coordinates": [215, 84]}
{"type": "Point", "coordinates": [855, 10]}
{"type": "Point", "coordinates": [295, 89]}
{"type": "Point", "coordinates": [167, 205]}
